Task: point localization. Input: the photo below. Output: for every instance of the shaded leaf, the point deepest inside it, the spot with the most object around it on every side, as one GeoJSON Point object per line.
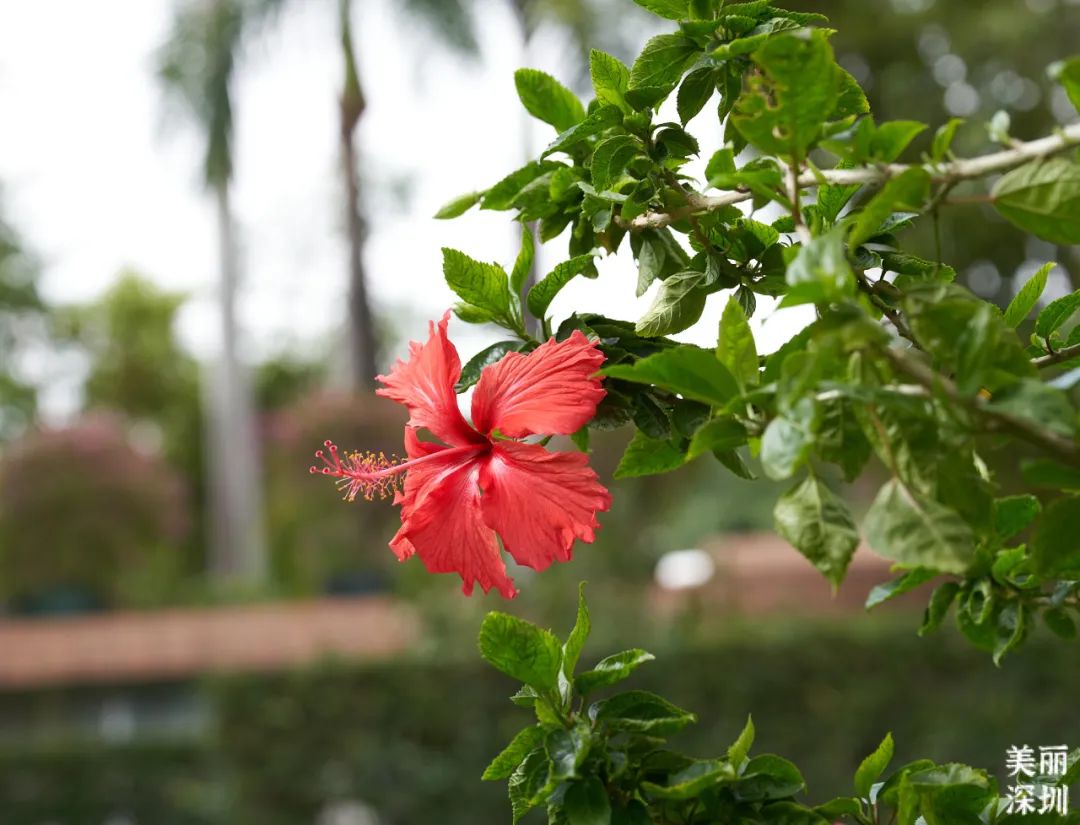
{"type": "Point", "coordinates": [1024, 301]}
{"type": "Point", "coordinates": [917, 531]}
{"type": "Point", "coordinates": [1043, 198]}
{"type": "Point", "coordinates": [611, 670]}
{"type": "Point", "coordinates": [687, 370]}
{"type": "Point", "coordinates": [817, 522]}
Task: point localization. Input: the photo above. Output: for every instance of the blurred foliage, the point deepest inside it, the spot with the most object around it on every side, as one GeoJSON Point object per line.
{"type": "Point", "coordinates": [20, 306]}
{"type": "Point", "coordinates": [943, 59]}
{"type": "Point", "coordinates": [83, 511]}
{"type": "Point", "coordinates": [411, 739]}
{"type": "Point", "coordinates": [283, 380]}
{"type": "Point", "coordinates": [162, 784]}
{"type": "Point", "coordinates": [137, 366]}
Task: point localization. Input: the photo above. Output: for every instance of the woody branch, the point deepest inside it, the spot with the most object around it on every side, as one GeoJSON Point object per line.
{"type": "Point", "coordinates": [944, 173]}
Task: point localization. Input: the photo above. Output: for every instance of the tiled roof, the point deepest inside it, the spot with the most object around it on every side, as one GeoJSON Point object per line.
{"type": "Point", "coordinates": [183, 643]}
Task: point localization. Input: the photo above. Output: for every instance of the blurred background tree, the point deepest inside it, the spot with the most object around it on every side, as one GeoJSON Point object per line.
{"type": "Point", "coordinates": [20, 314]}
{"type": "Point", "coordinates": [113, 518]}
{"type": "Point", "coordinates": [197, 68]}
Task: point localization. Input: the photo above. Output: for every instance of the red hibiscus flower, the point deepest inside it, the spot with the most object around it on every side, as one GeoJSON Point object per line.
{"type": "Point", "coordinates": [483, 481]}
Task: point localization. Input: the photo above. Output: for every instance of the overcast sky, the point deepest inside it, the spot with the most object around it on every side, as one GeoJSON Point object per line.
{"type": "Point", "coordinates": [98, 176]}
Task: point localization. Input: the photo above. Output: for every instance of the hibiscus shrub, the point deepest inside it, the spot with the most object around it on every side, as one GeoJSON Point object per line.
{"type": "Point", "coordinates": [969, 410]}
{"type": "Point", "coordinates": [607, 761]}
{"type": "Point", "coordinates": [808, 206]}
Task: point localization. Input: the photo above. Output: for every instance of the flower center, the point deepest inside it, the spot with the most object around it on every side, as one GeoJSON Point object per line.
{"type": "Point", "coordinates": [370, 475]}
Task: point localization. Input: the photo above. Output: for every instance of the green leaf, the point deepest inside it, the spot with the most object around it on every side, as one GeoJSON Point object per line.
{"type": "Point", "coordinates": [769, 777]}
{"type": "Point", "coordinates": [1060, 623]}
{"type": "Point", "coordinates": [781, 111]}
{"type": "Point", "coordinates": [1013, 514]}
{"type": "Point", "coordinates": [663, 61]}
{"type": "Point", "coordinates": [484, 286]}
{"type": "Point", "coordinates": [639, 711]}
{"type": "Point", "coordinates": [735, 347]}
{"type": "Point", "coordinates": [1055, 549]}
{"type": "Point", "coordinates": [916, 531]}
{"type": "Point", "coordinates": [524, 262]}
{"type": "Point", "coordinates": [459, 205]}
{"type": "Point", "coordinates": [1043, 198]}
{"type": "Point", "coordinates": [820, 272]}
{"type": "Point", "coordinates": [907, 192]}
{"type": "Point", "coordinates": [503, 765]}
{"type": "Point", "coordinates": [587, 803]}
{"type": "Point", "coordinates": [547, 99]}
{"type": "Point", "coordinates": [873, 766]}
{"type": "Point", "coordinates": [1027, 297]}
{"type": "Point", "coordinates": [541, 295]}
{"type": "Point", "coordinates": [718, 434]}
{"type": "Point", "coordinates": [610, 79]}
{"type": "Point", "coordinates": [1067, 73]}
{"type": "Point", "coordinates": [575, 642]}
{"type": "Point", "coordinates": [788, 440]}
{"type": "Point", "coordinates": [691, 782]}
{"type": "Point", "coordinates": [669, 9]}
{"type": "Point", "coordinates": [647, 456]}
{"type": "Point", "coordinates": [739, 750]}
{"type": "Point", "coordinates": [1040, 403]}
{"type": "Point", "coordinates": [694, 93]}
{"type": "Point", "coordinates": [470, 373]}
{"type": "Point", "coordinates": [1010, 631]}
{"type": "Point", "coordinates": [525, 697]}
{"type": "Point", "coordinates": [521, 650]}
{"type": "Point", "coordinates": [943, 139]}
{"type": "Point", "coordinates": [610, 159]}
{"type": "Point", "coordinates": [599, 120]}
{"type": "Point", "coordinates": [940, 602]}
{"type": "Point", "coordinates": [611, 670]}
{"type": "Point", "coordinates": [839, 807]}
{"type": "Point", "coordinates": [1056, 313]}
{"type": "Point", "coordinates": [690, 371]}
{"type": "Point", "coordinates": [917, 268]}
{"type": "Point", "coordinates": [817, 522]}
{"type": "Point", "coordinates": [898, 586]}
{"type": "Point", "coordinates": [1046, 473]}
{"type": "Point", "coordinates": [527, 783]}
{"type": "Point", "coordinates": [503, 194]}
{"type": "Point", "coordinates": [893, 137]}
{"type": "Point", "coordinates": [567, 749]}
{"type": "Point", "coordinates": [677, 306]}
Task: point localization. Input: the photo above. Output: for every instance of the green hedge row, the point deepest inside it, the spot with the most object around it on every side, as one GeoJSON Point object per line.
{"type": "Point", "coordinates": [410, 740]}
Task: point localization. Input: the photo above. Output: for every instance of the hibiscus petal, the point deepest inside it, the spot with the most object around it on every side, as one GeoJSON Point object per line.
{"type": "Point", "coordinates": [425, 385]}
{"type": "Point", "coordinates": [539, 502]}
{"type": "Point", "coordinates": [552, 390]}
{"type": "Point", "coordinates": [442, 522]}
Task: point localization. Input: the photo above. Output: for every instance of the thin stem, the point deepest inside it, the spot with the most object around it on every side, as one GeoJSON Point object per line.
{"type": "Point", "coordinates": [1057, 357]}
{"type": "Point", "coordinates": [1062, 448]}
{"type": "Point", "coordinates": [796, 206]}
{"type": "Point", "coordinates": [894, 316]}
{"type": "Point", "coordinates": [946, 173]}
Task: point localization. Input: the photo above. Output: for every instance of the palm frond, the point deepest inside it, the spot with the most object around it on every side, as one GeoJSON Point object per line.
{"type": "Point", "coordinates": [449, 20]}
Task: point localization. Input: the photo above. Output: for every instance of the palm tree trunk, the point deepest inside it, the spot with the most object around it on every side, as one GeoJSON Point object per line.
{"type": "Point", "coordinates": [521, 12]}
{"type": "Point", "coordinates": [238, 543]}
{"type": "Point", "coordinates": [363, 346]}
{"type": "Point", "coordinates": [363, 343]}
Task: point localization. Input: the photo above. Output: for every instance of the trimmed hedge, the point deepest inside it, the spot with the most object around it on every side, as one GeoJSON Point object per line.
{"type": "Point", "coordinates": [411, 739]}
